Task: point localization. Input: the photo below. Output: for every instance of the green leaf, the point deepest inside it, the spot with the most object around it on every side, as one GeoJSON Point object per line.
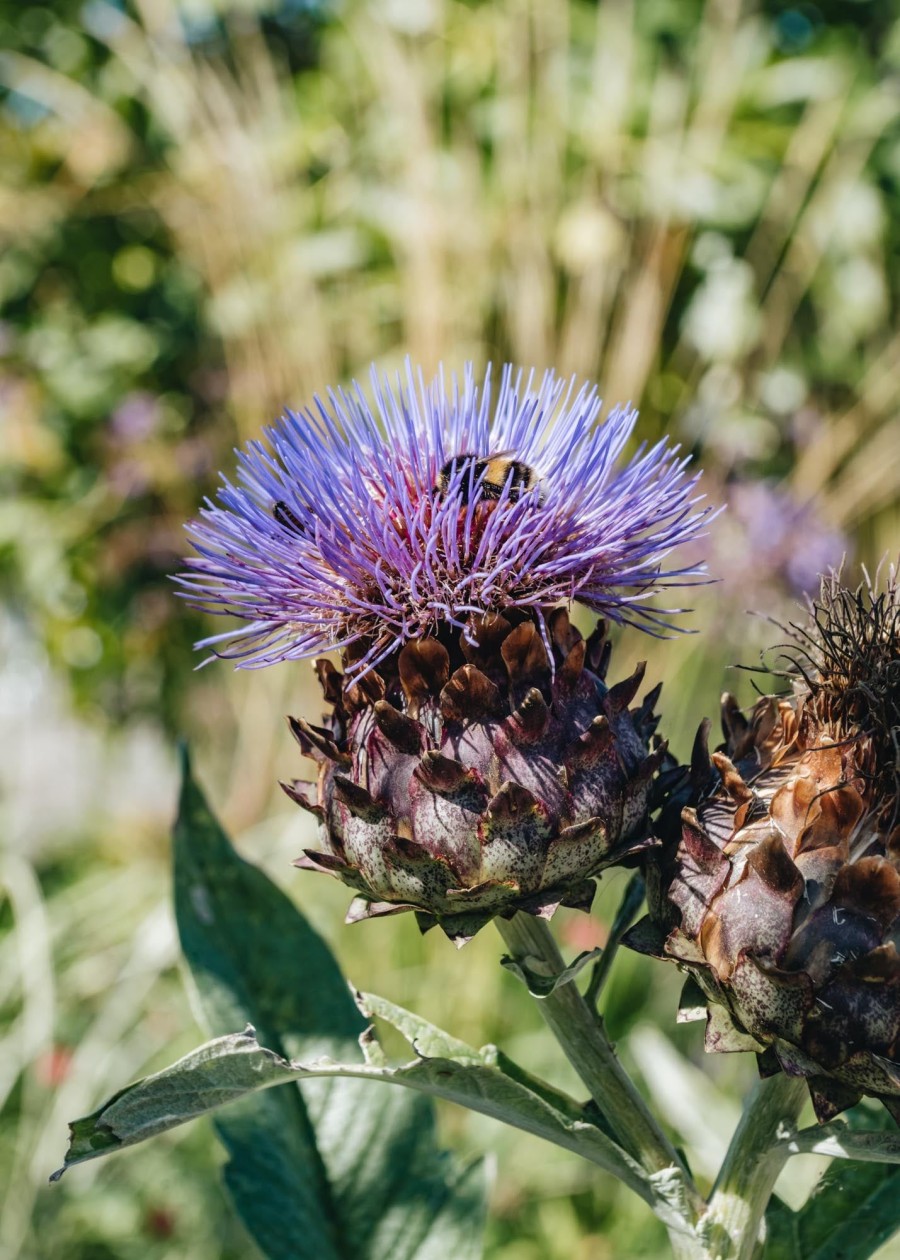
{"type": "Point", "coordinates": [333, 1168]}
{"type": "Point", "coordinates": [323, 1171]}
{"type": "Point", "coordinates": [540, 982]}
{"type": "Point", "coordinates": [841, 1142]}
{"type": "Point", "coordinates": [428, 1041]}
{"type": "Point", "coordinates": [253, 957]}
{"type": "Point", "coordinates": [218, 1072]}
{"type": "Point", "coordinates": [855, 1207]}
{"type": "Point", "coordinates": [488, 1090]}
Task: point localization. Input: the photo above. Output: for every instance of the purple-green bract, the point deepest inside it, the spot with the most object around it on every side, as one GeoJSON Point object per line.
{"type": "Point", "coordinates": [340, 529]}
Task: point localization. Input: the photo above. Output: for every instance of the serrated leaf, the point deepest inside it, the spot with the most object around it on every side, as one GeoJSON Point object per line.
{"type": "Point", "coordinates": [854, 1209]}
{"type": "Point", "coordinates": [428, 1041]}
{"type": "Point", "coordinates": [322, 1171]}
{"type": "Point", "coordinates": [213, 1075]}
{"type": "Point", "coordinates": [490, 1091]}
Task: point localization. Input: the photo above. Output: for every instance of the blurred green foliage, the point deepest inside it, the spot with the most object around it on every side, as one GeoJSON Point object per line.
{"type": "Point", "coordinates": [213, 208]}
{"type": "Point", "coordinates": [212, 212]}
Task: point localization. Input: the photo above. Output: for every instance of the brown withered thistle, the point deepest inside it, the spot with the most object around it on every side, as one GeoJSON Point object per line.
{"type": "Point", "coordinates": [781, 895]}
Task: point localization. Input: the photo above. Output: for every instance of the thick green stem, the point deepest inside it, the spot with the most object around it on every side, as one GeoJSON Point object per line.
{"type": "Point", "coordinates": [688, 1247]}
{"type": "Point", "coordinates": [730, 1228]}
{"type": "Point", "coordinates": [748, 1175]}
{"type": "Point", "coordinates": [587, 1048]}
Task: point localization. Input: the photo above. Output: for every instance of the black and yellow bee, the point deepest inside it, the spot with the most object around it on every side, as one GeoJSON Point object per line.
{"type": "Point", "coordinates": [288, 519]}
{"type": "Point", "coordinates": [491, 473]}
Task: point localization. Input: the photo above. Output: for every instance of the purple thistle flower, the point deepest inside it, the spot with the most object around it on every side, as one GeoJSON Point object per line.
{"type": "Point", "coordinates": [373, 525]}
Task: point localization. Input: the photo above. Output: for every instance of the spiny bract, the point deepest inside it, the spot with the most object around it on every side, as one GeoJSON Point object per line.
{"type": "Point", "coordinates": [782, 898]}
{"type": "Point", "coordinates": [472, 781]}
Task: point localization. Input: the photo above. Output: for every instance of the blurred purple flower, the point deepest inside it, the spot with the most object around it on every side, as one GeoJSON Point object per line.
{"type": "Point", "coordinates": [128, 478]}
{"type": "Point", "coordinates": [784, 538]}
{"type": "Point", "coordinates": [135, 418]}
{"type": "Point", "coordinates": [375, 525]}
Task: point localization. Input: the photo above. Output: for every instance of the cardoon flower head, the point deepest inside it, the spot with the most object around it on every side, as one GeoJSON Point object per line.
{"type": "Point", "coordinates": [372, 526]}
{"type": "Point", "coordinates": [781, 895]}
{"type": "Point", "coordinates": [473, 762]}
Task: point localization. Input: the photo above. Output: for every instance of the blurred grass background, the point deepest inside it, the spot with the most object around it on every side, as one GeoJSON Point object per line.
{"type": "Point", "coordinates": [213, 208]}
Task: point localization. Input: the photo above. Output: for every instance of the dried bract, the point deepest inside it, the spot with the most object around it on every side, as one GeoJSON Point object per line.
{"type": "Point", "coordinates": [781, 896]}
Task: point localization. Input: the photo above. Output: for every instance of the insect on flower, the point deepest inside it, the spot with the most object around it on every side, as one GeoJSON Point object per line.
{"type": "Point", "coordinates": [288, 519]}
{"type": "Point", "coordinates": [361, 524]}
{"type": "Point", "coordinates": [491, 475]}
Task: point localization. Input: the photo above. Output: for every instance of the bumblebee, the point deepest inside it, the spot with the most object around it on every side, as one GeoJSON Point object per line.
{"type": "Point", "coordinates": [288, 520]}
{"type": "Point", "coordinates": [492, 474]}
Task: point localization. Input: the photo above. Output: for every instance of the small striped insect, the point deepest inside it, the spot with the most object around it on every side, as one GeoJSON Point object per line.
{"type": "Point", "coordinates": [491, 474]}
{"type": "Point", "coordinates": [288, 519]}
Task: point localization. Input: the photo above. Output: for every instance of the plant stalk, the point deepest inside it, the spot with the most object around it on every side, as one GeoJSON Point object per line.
{"type": "Point", "coordinates": [748, 1175]}
{"type": "Point", "coordinates": [586, 1046]}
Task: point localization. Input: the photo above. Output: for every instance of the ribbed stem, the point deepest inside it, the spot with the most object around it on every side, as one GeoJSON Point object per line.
{"type": "Point", "coordinates": [587, 1048]}
{"type": "Point", "coordinates": [748, 1175]}
{"type": "Point", "coordinates": [689, 1247]}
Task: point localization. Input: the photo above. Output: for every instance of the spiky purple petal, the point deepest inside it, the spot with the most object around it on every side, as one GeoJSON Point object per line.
{"type": "Point", "coordinates": [370, 548]}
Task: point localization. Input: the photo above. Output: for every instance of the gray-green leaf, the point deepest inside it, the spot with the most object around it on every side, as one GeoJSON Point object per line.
{"type": "Point", "coordinates": [220, 1071]}
{"type": "Point", "coordinates": [541, 985]}
{"type": "Point", "coordinates": [324, 1171]}
{"type": "Point", "coordinates": [841, 1142]}
{"type": "Point", "coordinates": [854, 1209]}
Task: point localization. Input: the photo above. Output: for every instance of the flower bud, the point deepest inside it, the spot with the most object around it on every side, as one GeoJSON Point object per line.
{"type": "Point", "coordinates": [782, 897]}
{"type": "Point", "coordinates": [468, 779]}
